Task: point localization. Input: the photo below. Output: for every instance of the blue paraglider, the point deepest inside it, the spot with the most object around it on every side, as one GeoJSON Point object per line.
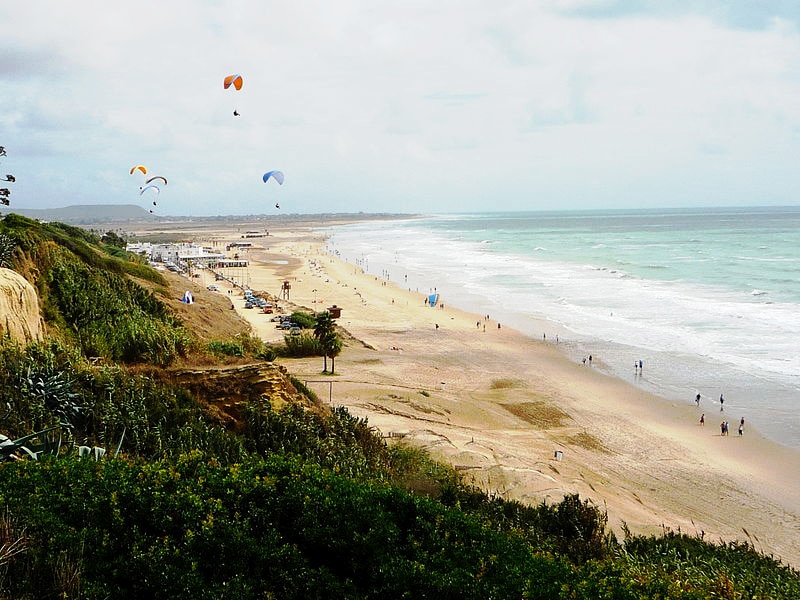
{"type": "Point", "coordinates": [150, 190]}
{"type": "Point", "coordinates": [276, 175]}
{"type": "Point", "coordinates": [156, 189]}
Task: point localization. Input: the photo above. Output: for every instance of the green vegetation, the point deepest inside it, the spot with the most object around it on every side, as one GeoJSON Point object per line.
{"type": "Point", "coordinates": [330, 345]}
{"type": "Point", "coordinates": [301, 344]}
{"type": "Point", "coordinates": [304, 319]}
{"type": "Point", "coordinates": [226, 348]}
{"type": "Point", "coordinates": [88, 297]}
{"type": "Point", "coordinates": [123, 484]}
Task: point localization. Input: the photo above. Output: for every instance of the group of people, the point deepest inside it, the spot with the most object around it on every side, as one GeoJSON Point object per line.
{"type": "Point", "coordinates": [724, 427]}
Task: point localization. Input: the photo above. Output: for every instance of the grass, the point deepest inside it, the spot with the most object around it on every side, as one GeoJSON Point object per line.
{"type": "Point", "coordinates": [542, 415]}
{"type": "Point", "coordinates": [505, 384]}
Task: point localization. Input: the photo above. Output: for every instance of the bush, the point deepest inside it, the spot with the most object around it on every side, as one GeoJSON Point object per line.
{"type": "Point", "coordinates": [225, 348]}
{"type": "Point", "coordinates": [300, 345]}
{"type": "Point", "coordinates": [281, 528]}
{"type": "Point", "coordinates": [304, 319]}
{"type": "Point", "coordinates": [267, 353]}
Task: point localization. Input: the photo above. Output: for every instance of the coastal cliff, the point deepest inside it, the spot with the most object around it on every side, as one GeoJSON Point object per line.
{"type": "Point", "coordinates": [19, 308]}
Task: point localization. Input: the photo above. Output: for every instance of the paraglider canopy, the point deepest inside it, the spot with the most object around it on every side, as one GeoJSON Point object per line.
{"type": "Point", "coordinates": [152, 179]}
{"type": "Point", "coordinates": [276, 175]}
{"type": "Point", "coordinates": [141, 168]}
{"type": "Point", "coordinates": [150, 187]}
{"type": "Point", "coordinates": [233, 80]}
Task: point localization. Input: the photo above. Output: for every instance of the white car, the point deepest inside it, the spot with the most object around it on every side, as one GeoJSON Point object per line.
{"type": "Point", "coordinates": [213, 288]}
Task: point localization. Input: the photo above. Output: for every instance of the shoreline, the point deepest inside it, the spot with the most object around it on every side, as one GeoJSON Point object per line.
{"type": "Point", "coordinates": [498, 405]}
{"type": "Point", "coordinates": [691, 338]}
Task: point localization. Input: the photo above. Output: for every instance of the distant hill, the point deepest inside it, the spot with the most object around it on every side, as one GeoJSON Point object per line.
{"type": "Point", "coordinates": [122, 214]}
{"type": "Point", "coordinates": [85, 214]}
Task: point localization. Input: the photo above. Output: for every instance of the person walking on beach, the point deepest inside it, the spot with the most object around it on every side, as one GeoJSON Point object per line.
{"type": "Point", "coordinates": [741, 428]}
{"type": "Point", "coordinates": [697, 399]}
{"type": "Point", "coordinates": [722, 428]}
{"type": "Point", "coordinates": [590, 360]}
{"type": "Point", "coordinates": [703, 419]}
{"type": "Point", "coordinates": [721, 402]}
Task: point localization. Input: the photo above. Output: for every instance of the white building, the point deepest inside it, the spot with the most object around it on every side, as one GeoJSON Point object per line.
{"type": "Point", "coordinates": [175, 253]}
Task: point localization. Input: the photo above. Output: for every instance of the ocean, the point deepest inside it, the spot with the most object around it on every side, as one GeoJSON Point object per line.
{"type": "Point", "coordinates": [708, 299]}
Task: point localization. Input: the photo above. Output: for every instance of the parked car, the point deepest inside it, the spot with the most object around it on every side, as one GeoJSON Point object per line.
{"type": "Point", "coordinates": [248, 305]}
{"type": "Point", "coordinates": [294, 330]}
{"type": "Point", "coordinates": [213, 288]}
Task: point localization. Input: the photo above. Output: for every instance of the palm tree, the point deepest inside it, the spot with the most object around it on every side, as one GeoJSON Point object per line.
{"type": "Point", "coordinates": [324, 329]}
{"type": "Point", "coordinates": [332, 347]}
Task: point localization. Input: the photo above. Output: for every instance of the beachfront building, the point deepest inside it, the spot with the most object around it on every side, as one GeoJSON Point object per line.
{"type": "Point", "coordinates": [187, 258]}
{"type": "Point", "coordinates": [184, 256]}
{"type": "Point", "coordinates": [174, 252]}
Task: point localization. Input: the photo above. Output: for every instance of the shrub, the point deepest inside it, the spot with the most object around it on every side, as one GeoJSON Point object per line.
{"type": "Point", "coordinates": [302, 344]}
{"type": "Point", "coordinates": [267, 353]}
{"type": "Point", "coordinates": [304, 319]}
{"type": "Point", "coordinates": [225, 348]}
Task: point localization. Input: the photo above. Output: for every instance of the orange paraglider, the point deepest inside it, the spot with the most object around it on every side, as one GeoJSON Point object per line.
{"type": "Point", "coordinates": [141, 168]}
{"type": "Point", "coordinates": [233, 80]}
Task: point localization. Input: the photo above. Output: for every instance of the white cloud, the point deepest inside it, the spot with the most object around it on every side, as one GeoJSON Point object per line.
{"type": "Point", "coordinates": [412, 106]}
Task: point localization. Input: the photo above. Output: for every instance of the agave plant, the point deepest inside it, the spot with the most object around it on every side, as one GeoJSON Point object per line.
{"type": "Point", "coordinates": [54, 389]}
{"type": "Point", "coordinates": [21, 447]}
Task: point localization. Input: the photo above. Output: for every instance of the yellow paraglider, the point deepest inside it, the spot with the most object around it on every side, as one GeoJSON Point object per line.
{"type": "Point", "coordinates": [141, 168]}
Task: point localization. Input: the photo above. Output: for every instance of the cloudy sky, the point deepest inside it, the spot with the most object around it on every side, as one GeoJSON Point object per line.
{"type": "Point", "coordinates": [413, 106]}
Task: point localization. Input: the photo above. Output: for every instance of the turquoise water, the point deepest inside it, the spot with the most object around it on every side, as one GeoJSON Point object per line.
{"type": "Point", "coordinates": [708, 299]}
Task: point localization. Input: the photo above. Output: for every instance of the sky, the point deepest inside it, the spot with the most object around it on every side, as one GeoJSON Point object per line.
{"type": "Point", "coordinates": [417, 106]}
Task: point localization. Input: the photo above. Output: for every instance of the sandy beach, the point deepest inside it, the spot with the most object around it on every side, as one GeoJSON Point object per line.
{"type": "Point", "coordinates": [516, 415]}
